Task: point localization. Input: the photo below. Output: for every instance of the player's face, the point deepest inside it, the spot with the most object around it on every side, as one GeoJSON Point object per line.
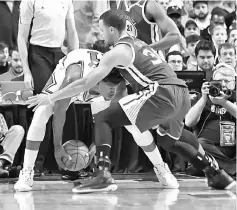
{"type": "Point", "coordinates": [16, 62]}
{"type": "Point", "coordinates": [107, 89]}
{"type": "Point", "coordinates": [205, 60]}
{"type": "Point", "coordinates": [107, 32]}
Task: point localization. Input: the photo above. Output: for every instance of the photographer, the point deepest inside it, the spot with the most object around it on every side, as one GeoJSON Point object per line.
{"type": "Point", "coordinates": [214, 117]}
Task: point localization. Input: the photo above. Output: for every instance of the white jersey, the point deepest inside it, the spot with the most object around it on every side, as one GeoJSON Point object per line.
{"type": "Point", "coordinates": [87, 59]}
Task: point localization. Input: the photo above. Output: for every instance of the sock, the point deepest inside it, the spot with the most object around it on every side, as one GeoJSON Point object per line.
{"type": "Point", "coordinates": [103, 154]}
{"type": "Point", "coordinates": [154, 156]}
{"type": "Point", "coordinates": [29, 158]}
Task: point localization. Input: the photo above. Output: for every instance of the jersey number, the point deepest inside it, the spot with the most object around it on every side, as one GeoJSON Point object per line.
{"type": "Point", "coordinates": [94, 58]}
{"type": "Point", "coordinates": [155, 58]}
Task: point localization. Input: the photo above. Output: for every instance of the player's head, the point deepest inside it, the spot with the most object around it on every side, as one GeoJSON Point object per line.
{"type": "Point", "coordinates": [112, 24]}
{"type": "Point", "coordinates": [107, 87]}
{"type": "Point", "coordinates": [101, 46]}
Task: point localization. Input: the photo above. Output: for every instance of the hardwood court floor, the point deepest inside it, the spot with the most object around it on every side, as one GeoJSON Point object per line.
{"type": "Point", "coordinates": [193, 194]}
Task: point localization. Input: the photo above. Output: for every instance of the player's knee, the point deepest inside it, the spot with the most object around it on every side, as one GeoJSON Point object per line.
{"type": "Point", "coordinates": [18, 130]}
{"type": "Point", "coordinates": [165, 141]}
{"type": "Point", "coordinates": [42, 115]}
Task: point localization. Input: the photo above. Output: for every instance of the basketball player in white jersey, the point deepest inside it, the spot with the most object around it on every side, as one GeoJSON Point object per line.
{"type": "Point", "coordinates": [77, 64]}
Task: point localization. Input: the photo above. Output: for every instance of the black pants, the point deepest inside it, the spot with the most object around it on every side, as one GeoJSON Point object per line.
{"type": "Point", "coordinates": [42, 62]}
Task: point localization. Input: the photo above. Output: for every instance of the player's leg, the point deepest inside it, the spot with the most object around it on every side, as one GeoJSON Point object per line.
{"type": "Point", "coordinates": [35, 136]}
{"type": "Point", "coordinates": [146, 142]}
{"type": "Point", "coordinates": [73, 73]}
{"type": "Point", "coordinates": [185, 144]}
{"type": "Point", "coordinates": [105, 121]}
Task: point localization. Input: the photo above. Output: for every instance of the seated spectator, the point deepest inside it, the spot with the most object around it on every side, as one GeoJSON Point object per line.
{"type": "Point", "coordinates": [10, 141]}
{"type": "Point", "coordinates": [191, 42]}
{"type": "Point", "coordinates": [205, 53]}
{"type": "Point", "coordinates": [215, 119]}
{"type": "Point", "coordinates": [201, 14]}
{"type": "Point", "coordinates": [217, 18]}
{"type": "Point", "coordinates": [232, 36]}
{"type": "Point", "coordinates": [15, 69]}
{"type": "Point", "coordinates": [191, 28]}
{"type": "Point", "coordinates": [227, 54]}
{"type": "Point", "coordinates": [4, 56]}
{"type": "Point", "coordinates": [175, 60]}
{"type": "Point", "coordinates": [219, 36]}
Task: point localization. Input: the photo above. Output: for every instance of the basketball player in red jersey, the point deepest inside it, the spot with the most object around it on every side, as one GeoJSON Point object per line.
{"type": "Point", "coordinates": [160, 98]}
{"type": "Point", "coordinates": [147, 21]}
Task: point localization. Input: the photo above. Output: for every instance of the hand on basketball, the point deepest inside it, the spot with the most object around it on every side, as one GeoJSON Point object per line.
{"type": "Point", "coordinates": [39, 100]}
{"type": "Point", "coordinates": [61, 157]}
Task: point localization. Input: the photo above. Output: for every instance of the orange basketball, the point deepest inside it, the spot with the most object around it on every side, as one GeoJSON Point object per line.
{"type": "Point", "coordinates": [78, 152]}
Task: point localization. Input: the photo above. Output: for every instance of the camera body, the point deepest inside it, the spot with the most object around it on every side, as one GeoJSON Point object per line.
{"type": "Point", "coordinates": [216, 88]}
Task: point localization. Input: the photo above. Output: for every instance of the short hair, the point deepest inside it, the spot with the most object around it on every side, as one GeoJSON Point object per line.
{"type": "Point", "coordinates": [14, 49]}
{"type": "Point", "coordinates": [226, 45]}
{"type": "Point", "coordinates": [175, 52]}
{"type": "Point", "coordinates": [100, 46]}
{"type": "Point", "coordinates": [113, 77]}
{"type": "Point", "coordinates": [215, 28]}
{"type": "Point", "coordinates": [205, 45]}
{"type": "Point", "coordinates": [115, 18]}
{"type": "Point", "coordinates": [192, 38]}
{"type": "Point", "coordinates": [3, 45]}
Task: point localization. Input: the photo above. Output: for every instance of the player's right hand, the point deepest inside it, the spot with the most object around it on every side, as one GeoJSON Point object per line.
{"type": "Point", "coordinates": [28, 80]}
{"type": "Point", "coordinates": [205, 89]}
{"type": "Point", "coordinates": [61, 157]}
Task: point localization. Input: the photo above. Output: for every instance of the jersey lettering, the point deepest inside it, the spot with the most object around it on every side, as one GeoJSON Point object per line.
{"type": "Point", "coordinates": [155, 57]}
{"type": "Point", "coordinates": [94, 58]}
{"type": "Point", "coordinates": [130, 27]}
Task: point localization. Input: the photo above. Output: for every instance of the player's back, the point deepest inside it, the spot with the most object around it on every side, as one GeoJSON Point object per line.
{"type": "Point", "coordinates": [148, 67]}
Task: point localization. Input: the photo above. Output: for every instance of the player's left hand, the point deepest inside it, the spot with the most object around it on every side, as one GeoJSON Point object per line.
{"type": "Point", "coordinates": [38, 100]}
{"type": "Point", "coordinates": [220, 100]}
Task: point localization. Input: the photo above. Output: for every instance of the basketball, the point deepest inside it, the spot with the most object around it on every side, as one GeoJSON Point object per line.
{"type": "Point", "coordinates": [78, 151]}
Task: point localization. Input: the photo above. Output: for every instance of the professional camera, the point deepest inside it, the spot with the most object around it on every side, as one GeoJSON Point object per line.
{"type": "Point", "coordinates": [216, 88]}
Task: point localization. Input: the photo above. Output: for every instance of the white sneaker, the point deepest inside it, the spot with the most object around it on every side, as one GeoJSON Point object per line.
{"type": "Point", "coordinates": [165, 177]}
{"type": "Point", "coordinates": [25, 181]}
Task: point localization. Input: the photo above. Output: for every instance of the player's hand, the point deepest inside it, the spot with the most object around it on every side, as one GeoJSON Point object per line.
{"type": "Point", "coordinates": [39, 100]}
{"type": "Point", "coordinates": [205, 89]}
{"type": "Point", "coordinates": [219, 100]}
{"type": "Point", "coordinates": [62, 157]}
{"type": "Point", "coordinates": [28, 80]}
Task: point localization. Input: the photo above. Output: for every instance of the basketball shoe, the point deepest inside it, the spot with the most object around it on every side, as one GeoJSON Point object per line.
{"type": "Point", "coordinates": [101, 182]}
{"type": "Point", "coordinates": [25, 181]}
{"type": "Point", "coordinates": [165, 177]}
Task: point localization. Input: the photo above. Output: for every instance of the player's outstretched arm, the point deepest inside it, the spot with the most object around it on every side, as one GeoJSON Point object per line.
{"type": "Point", "coordinates": [167, 26]}
{"type": "Point", "coordinates": [119, 55]}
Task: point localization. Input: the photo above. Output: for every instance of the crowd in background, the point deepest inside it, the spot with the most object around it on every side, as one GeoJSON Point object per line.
{"type": "Point", "coordinates": [209, 42]}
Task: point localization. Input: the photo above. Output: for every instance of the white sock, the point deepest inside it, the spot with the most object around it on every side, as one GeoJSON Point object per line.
{"type": "Point", "coordinates": [154, 156]}
{"type": "Point", "coordinates": [30, 158]}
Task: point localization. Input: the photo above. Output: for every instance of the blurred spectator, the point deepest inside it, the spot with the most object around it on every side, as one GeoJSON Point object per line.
{"type": "Point", "coordinates": [227, 54]}
{"type": "Point", "coordinates": [175, 60]}
{"type": "Point", "coordinates": [228, 6]}
{"type": "Point", "coordinates": [217, 18]}
{"type": "Point", "coordinates": [4, 58]}
{"type": "Point", "coordinates": [191, 28]}
{"type": "Point", "coordinates": [15, 69]}
{"type": "Point", "coordinates": [164, 4]}
{"type": "Point", "coordinates": [191, 42]}
{"type": "Point", "coordinates": [205, 52]}
{"type": "Point", "coordinates": [201, 13]}
{"type": "Point", "coordinates": [230, 19]}
{"type": "Point", "coordinates": [219, 36]}
{"type": "Point", "coordinates": [10, 141]}
{"type": "Point", "coordinates": [232, 34]}
{"type": "Point", "coordinates": [87, 15]}
{"type": "Point", "coordinates": [9, 16]}
{"type": "Point", "coordinates": [174, 12]}
{"type": "Point", "coordinates": [215, 120]}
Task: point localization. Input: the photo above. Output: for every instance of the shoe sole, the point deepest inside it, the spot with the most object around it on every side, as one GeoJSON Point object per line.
{"type": "Point", "coordinates": [110, 188]}
{"type": "Point", "coordinates": [170, 187]}
{"type": "Point", "coordinates": [23, 189]}
{"type": "Point", "coordinates": [233, 184]}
